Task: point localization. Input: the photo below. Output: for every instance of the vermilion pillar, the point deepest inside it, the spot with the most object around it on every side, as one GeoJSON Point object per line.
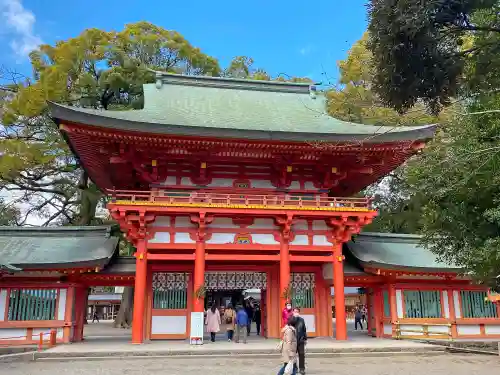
{"type": "Point", "coordinates": [139, 292]}
{"type": "Point", "coordinates": [394, 310]}
{"type": "Point", "coordinates": [284, 271]}
{"type": "Point", "coordinates": [199, 275]}
{"type": "Point", "coordinates": [338, 285]}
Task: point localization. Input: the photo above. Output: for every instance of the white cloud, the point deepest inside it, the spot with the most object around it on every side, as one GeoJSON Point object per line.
{"type": "Point", "coordinates": [20, 23]}
{"type": "Point", "coordinates": [306, 50]}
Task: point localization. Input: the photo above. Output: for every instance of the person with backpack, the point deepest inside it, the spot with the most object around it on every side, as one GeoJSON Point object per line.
{"type": "Point", "coordinates": [301, 330]}
{"type": "Point", "coordinates": [230, 320]}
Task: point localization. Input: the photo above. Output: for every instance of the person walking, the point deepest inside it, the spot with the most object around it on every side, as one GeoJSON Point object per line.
{"type": "Point", "coordinates": [257, 317]}
{"type": "Point", "coordinates": [301, 330]}
{"type": "Point", "coordinates": [249, 310]}
{"type": "Point", "coordinates": [95, 317]}
{"type": "Point", "coordinates": [358, 315]}
{"type": "Point", "coordinates": [213, 322]}
{"type": "Point", "coordinates": [230, 320]}
{"type": "Point", "coordinates": [241, 324]}
{"type": "Point", "coordinates": [286, 313]}
{"type": "Point", "coordinates": [289, 348]}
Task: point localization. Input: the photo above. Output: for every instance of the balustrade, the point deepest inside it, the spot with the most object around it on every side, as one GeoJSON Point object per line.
{"type": "Point", "coordinates": [278, 201]}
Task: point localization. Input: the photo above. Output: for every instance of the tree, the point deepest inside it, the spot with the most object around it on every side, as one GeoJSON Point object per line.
{"type": "Point", "coordinates": [95, 69]}
{"type": "Point", "coordinates": [423, 49]}
{"type": "Point", "coordinates": [9, 214]}
{"type": "Point", "coordinates": [459, 177]}
{"type": "Point", "coordinates": [353, 100]}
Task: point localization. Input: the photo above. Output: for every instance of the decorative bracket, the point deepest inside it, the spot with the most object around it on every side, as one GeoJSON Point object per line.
{"type": "Point", "coordinates": [202, 220]}
{"type": "Point", "coordinates": [286, 226]}
{"type": "Point", "coordinates": [345, 227]}
{"type": "Point", "coordinates": [134, 223]}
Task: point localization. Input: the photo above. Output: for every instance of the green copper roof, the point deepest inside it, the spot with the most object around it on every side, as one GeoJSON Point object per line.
{"type": "Point", "coordinates": [56, 247]}
{"type": "Point", "coordinates": [384, 250]}
{"type": "Point", "coordinates": [235, 108]}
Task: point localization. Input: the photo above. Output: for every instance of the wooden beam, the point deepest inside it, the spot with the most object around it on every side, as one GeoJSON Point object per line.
{"type": "Point", "coordinates": [232, 257]}
{"type": "Point", "coordinates": [170, 257]}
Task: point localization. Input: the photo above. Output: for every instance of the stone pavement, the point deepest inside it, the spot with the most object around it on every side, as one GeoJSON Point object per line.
{"type": "Point", "coordinates": [401, 365]}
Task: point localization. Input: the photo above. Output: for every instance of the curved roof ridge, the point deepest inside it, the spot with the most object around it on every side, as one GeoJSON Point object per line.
{"type": "Point", "coordinates": [232, 83]}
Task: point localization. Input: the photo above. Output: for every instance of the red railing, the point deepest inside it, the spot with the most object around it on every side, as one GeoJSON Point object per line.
{"type": "Point", "coordinates": [40, 339]}
{"type": "Point", "coordinates": [282, 201]}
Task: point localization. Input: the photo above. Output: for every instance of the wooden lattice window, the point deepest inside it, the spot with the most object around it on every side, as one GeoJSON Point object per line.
{"type": "Point", "coordinates": [32, 304]}
{"type": "Point", "coordinates": [476, 305]}
{"type": "Point", "coordinates": [170, 291]}
{"type": "Point", "coordinates": [422, 304]}
{"type": "Point", "coordinates": [303, 285]}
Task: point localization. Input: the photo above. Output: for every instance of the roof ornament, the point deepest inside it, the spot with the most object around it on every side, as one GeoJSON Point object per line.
{"type": "Point", "coordinates": [312, 91]}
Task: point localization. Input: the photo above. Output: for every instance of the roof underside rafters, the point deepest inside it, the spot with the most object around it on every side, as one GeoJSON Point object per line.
{"type": "Point", "coordinates": [97, 147]}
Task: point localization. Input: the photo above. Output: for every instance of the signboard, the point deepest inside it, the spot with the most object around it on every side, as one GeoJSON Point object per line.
{"type": "Point", "coordinates": [196, 329]}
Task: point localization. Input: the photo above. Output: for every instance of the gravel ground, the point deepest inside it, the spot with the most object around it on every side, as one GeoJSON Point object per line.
{"type": "Point", "coordinates": [453, 364]}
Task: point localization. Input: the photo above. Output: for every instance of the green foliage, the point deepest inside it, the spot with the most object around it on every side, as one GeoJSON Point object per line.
{"type": "Point", "coordinates": [9, 214]}
{"type": "Point", "coordinates": [355, 101]}
{"type": "Point", "coordinates": [423, 49]}
{"type": "Point", "coordinates": [95, 69]}
{"type": "Point", "coordinates": [459, 178]}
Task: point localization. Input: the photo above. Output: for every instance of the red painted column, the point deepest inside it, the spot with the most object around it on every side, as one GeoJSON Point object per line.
{"type": "Point", "coordinates": [139, 292]}
{"type": "Point", "coordinates": [369, 302]}
{"type": "Point", "coordinates": [199, 275]}
{"type": "Point", "coordinates": [284, 271]}
{"type": "Point", "coordinates": [338, 285]}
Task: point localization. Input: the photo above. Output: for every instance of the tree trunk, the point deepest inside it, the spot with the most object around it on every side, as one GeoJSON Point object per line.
{"type": "Point", "coordinates": [124, 316]}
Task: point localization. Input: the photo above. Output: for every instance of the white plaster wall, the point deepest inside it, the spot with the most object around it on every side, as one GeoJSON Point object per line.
{"type": "Point", "coordinates": [184, 222]}
{"type": "Point", "coordinates": [160, 237]}
{"type": "Point", "coordinates": [221, 182]}
{"type": "Point", "coordinates": [3, 303]}
{"type": "Point", "coordinates": [463, 329]}
{"type": "Point", "coordinates": [261, 184]}
{"type": "Point", "coordinates": [446, 304]}
{"type": "Point", "coordinates": [186, 181]}
{"type": "Point", "coordinates": [456, 302]}
{"type": "Point", "coordinates": [439, 329]}
{"type": "Point", "coordinates": [410, 327]}
{"type": "Point", "coordinates": [221, 238]}
{"type": "Point", "coordinates": [319, 225]}
{"type": "Point", "coordinates": [161, 221]}
{"type": "Point", "coordinates": [309, 185]}
{"type": "Point", "coordinates": [492, 330]}
{"type": "Point", "coordinates": [264, 239]}
{"type": "Point", "coordinates": [295, 185]}
{"type": "Point", "coordinates": [168, 325]}
{"type": "Point", "coordinates": [263, 224]}
{"type": "Point", "coordinates": [46, 333]}
{"type": "Point", "coordinates": [223, 222]}
{"type": "Point", "coordinates": [183, 237]}
{"type": "Point", "coordinates": [300, 239]}
{"type": "Point", "coordinates": [399, 303]}
{"type": "Point", "coordinates": [12, 334]}
{"type": "Point", "coordinates": [387, 329]}
{"type": "Point", "coordinates": [62, 304]}
{"type": "Point", "coordinates": [171, 180]}
{"type": "Point", "coordinates": [300, 225]}
{"type": "Point", "coordinates": [320, 240]}
{"type": "Point", "coordinates": [310, 321]}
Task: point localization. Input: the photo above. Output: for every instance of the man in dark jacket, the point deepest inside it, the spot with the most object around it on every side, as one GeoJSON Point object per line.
{"type": "Point", "coordinates": [301, 340]}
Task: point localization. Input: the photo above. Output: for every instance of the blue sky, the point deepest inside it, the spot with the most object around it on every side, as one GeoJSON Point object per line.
{"type": "Point", "coordinates": [281, 36]}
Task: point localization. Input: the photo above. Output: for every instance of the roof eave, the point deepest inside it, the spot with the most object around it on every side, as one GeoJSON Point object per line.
{"type": "Point", "coordinates": [60, 114]}
{"type": "Point", "coordinates": [398, 267]}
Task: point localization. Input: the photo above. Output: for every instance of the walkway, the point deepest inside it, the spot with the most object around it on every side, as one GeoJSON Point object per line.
{"type": "Point", "coordinates": [402, 365]}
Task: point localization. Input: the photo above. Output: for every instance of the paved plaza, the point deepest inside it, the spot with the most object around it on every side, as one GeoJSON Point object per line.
{"type": "Point", "coordinates": [451, 364]}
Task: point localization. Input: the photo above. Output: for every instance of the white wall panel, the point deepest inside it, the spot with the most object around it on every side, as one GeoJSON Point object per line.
{"type": "Point", "coordinates": [464, 329]}
{"type": "Point", "coordinates": [62, 304]}
{"type": "Point", "coordinates": [3, 303]}
{"type": "Point", "coordinates": [168, 325]}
